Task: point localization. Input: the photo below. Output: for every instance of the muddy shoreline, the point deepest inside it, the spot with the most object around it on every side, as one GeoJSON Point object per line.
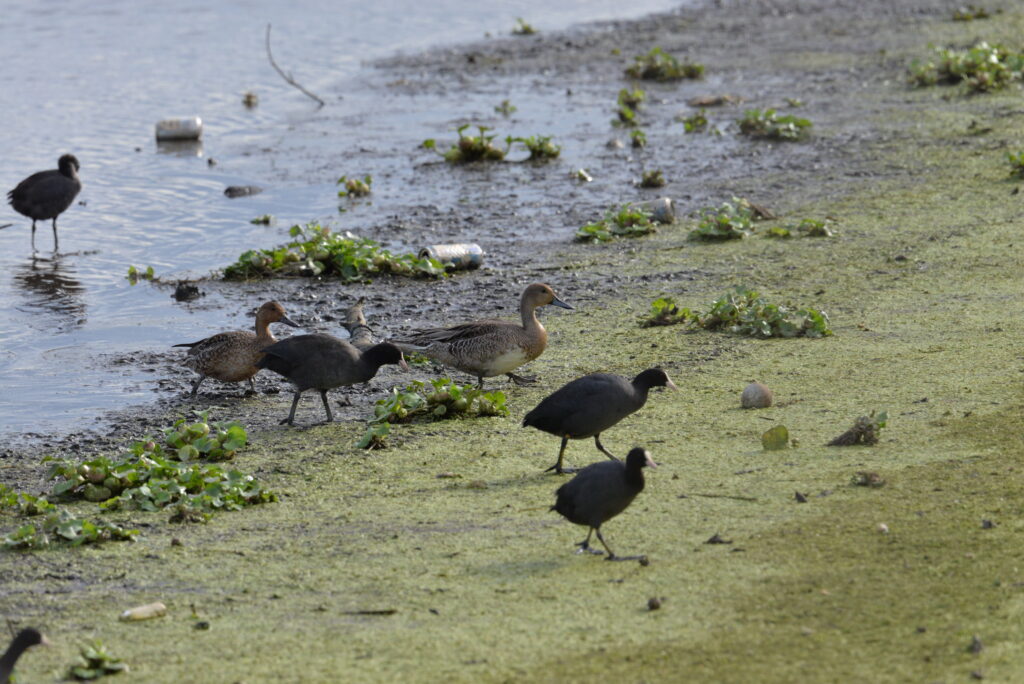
{"type": "Point", "coordinates": [808, 590]}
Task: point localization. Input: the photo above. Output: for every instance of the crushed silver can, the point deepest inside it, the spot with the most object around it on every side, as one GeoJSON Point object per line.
{"type": "Point", "coordinates": [464, 255]}
{"type": "Point", "coordinates": [182, 128]}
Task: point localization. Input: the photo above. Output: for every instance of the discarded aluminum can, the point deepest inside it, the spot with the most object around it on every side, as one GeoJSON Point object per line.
{"type": "Point", "coordinates": [663, 210]}
{"type": "Point", "coordinates": [183, 128]}
{"type": "Point", "coordinates": [150, 610]}
{"type": "Point", "coordinates": [465, 255]}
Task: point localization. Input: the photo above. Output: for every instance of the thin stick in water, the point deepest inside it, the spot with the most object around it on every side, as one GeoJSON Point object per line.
{"type": "Point", "coordinates": [288, 77]}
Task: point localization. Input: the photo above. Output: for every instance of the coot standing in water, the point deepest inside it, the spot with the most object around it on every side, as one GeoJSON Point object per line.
{"type": "Point", "coordinates": [46, 194]}
{"type": "Point", "coordinates": [600, 492]}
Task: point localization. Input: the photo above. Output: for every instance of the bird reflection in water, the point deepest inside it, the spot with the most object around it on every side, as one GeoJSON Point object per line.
{"type": "Point", "coordinates": [51, 290]}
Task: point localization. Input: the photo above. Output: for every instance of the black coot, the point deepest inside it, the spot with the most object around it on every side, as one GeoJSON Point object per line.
{"type": "Point", "coordinates": [323, 362]}
{"type": "Point", "coordinates": [46, 194]}
{"type": "Point", "coordinates": [600, 492]}
{"type": "Point", "coordinates": [588, 406]}
{"type": "Point", "coordinates": [25, 639]}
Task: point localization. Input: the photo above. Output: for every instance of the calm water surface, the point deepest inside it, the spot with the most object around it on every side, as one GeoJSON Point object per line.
{"type": "Point", "coordinates": [93, 78]}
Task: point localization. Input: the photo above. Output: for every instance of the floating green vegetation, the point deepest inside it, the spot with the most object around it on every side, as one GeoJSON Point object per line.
{"type": "Point", "coordinates": [652, 179]}
{"type": "Point", "coordinates": [627, 221]}
{"type": "Point", "coordinates": [522, 28]}
{"type": "Point", "coordinates": [806, 227]}
{"type": "Point", "coordinates": [540, 147]}
{"type": "Point", "coordinates": [24, 503]}
{"type": "Point", "coordinates": [971, 13]}
{"type": "Point", "coordinates": [626, 116]}
{"type": "Point", "coordinates": [775, 438]}
{"type": "Point", "coordinates": [658, 65]}
{"type": "Point", "coordinates": [631, 98]}
{"type": "Point", "coordinates": [94, 661]}
{"type": "Point", "coordinates": [470, 148]}
{"type": "Point", "coordinates": [316, 251]}
{"type": "Point", "coordinates": [638, 138]}
{"type": "Point", "coordinates": [136, 274]}
{"type": "Point", "coordinates": [695, 122]}
{"type": "Point", "coordinates": [743, 312]}
{"type": "Point", "coordinates": [794, 101]}
{"type": "Point", "coordinates": [150, 477]}
{"type": "Point", "coordinates": [731, 221]}
{"type": "Point", "coordinates": [581, 175]}
{"type": "Point", "coordinates": [664, 311]}
{"type": "Point", "coordinates": [63, 527]}
{"type": "Point", "coordinates": [439, 399]}
{"type": "Point", "coordinates": [982, 68]}
{"type": "Point", "coordinates": [506, 108]}
{"type": "Point", "coordinates": [746, 312]}
{"type": "Point", "coordinates": [769, 125]}
{"type": "Point", "coordinates": [1016, 160]}
{"type": "Point", "coordinates": [354, 187]}
{"type": "Point", "coordinates": [262, 220]}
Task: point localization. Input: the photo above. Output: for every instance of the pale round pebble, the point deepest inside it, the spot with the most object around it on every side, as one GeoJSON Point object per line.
{"type": "Point", "coordinates": [756, 395]}
{"type": "Point", "coordinates": [883, 528]}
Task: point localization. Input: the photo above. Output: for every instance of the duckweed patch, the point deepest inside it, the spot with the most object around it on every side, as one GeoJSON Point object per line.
{"type": "Point", "coordinates": [981, 69]}
{"type": "Point", "coordinates": [135, 274]}
{"type": "Point", "coordinates": [631, 98]}
{"type": "Point", "coordinates": [665, 311]}
{"type": "Point", "coordinates": [1016, 161]}
{"type": "Point", "coordinates": [769, 125]}
{"type": "Point", "coordinates": [60, 526]}
{"type": "Point", "coordinates": [806, 227]}
{"type": "Point", "coordinates": [658, 65]}
{"type": "Point", "coordinates": [540, 147]}
{"type": "Point", "coordinates": [317, 251]}
{"type": "Point", "coordinates": [264, 220]}
{"type": "Point", "coordinates": [627, 221]}
{"type": "Point", "coordinates": [470, 148]}
{"type": "Point", "coordinates": [638, 138]}
{"type": "Point", "coordinates": [506, 109]}
{"type": "Point", "coordinates": [731, 221]}
{"type": "Point", "coordinates": [522, 28]}
{"type": "Point", "coordinates": [697, 121]}
{"type": "Point", "coordinates": [970, 13]}
{"type": "Point", "coordinates": [743, 312]}
{"type": "Point", "coordinates": [438, 399]}
{"type": "Point", "coordinates": [94, 662]}
{"type": "Point", "coordinates": [654, 178]}
{"type": "Point", "coordinates": [355, 187]}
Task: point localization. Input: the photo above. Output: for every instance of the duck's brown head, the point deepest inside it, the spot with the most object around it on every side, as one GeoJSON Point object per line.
{"type": "Point", "coordinates": [272, 312]}
{"type": "Point", "coordinates": [541, 294]}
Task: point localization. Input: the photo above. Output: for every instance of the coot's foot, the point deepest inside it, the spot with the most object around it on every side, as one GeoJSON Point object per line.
{"type": "Point", "coordinates": [560, 470]}
{"type": "Point", "coordinates": [641, 558]}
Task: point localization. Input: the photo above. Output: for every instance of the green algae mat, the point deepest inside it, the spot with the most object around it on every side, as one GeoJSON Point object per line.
{"type": "Point", "coordinates": [437, 558]}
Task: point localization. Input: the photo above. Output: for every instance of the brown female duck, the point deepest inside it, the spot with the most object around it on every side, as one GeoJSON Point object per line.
{"type": "Point", "coordinates": [489, 347]}
{"type": "Point", "coordinates": [232, 356]}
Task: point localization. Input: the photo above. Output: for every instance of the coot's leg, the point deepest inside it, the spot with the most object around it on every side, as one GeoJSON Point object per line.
{"type": "Point", "coordinates": [291, 416]}
{"type": "Point", "coordinates": [522, 380]}
{"type": "Point", "coordinates": [611, 555]}
{"type": "Point", "coordinates": [597, 441]}
{"type": "Point", "coordinates": [33, 235]}
{"type": "Point", "coordinates": [327, 406]}
{"type": "Point", "coordinates": [56, 244]}
{"type": "Point", "coordinates": [558, 465]}
{"type": "Point", "coordinates": [585, 545]}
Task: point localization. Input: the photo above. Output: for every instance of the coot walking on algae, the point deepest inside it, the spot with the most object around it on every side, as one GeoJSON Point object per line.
{"type": "Point", "coordinates": [489, 347]}
{"type": "Point", "coordinates": [600, 492]}
{"type": "Point", "coordinates": [588, 406]}
{"type": "Point", "coordinates": [323, 362]}
{"type": "Point", "coordinates": [232, 356]}
{"type": "Point", "coordinates": [26, 638]}
{"type": "Point", "coordinates": [46, 194]}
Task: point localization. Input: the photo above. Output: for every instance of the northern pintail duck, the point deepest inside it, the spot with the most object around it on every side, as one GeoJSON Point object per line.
{"type": "Point", "coordinates": [588, 406]}
{"type": "Point", "coordinates": [600, 492]}
{"type": "Point", "coordinates": [323, 362]}
{"type": "Point", "coordinates": [46, 194]}
{"type": "Point", "coordinates": [232, 356]}
{"type": "Point", "coordinates": [25, 639]}
{"type": "Point", "coordinates": [489, 347]}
